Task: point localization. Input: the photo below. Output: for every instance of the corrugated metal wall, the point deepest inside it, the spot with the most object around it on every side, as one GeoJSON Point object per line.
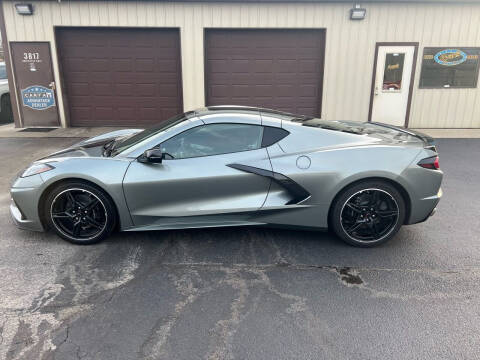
{"type": "Point", "coordinates": [349, 54]}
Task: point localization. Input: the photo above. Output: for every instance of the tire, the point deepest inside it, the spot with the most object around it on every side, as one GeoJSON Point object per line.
{"type": "Point", "coordinates": [80, 213]}
{"type": "Point", "coordinates": [6, 114]}
{"type": "Point", "coordinates": [368, 213]}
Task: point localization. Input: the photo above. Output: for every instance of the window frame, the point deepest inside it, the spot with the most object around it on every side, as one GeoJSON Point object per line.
{"type": "Point", "coordinates": [420, 86]}
{"type": "Point", "coordinates": [158, 146]}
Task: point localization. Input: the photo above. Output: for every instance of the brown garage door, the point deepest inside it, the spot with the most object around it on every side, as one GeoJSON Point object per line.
{"type": "Point", "coordinates": [279, 69]}
{"type": "Point", "coordinates": [120, 77]}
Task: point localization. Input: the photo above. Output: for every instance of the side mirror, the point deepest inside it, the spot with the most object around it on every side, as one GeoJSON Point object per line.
{"type": "Point", "coordinates": [153, 156]}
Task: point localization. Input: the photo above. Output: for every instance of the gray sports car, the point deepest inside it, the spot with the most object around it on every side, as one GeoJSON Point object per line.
{"type": "Point", "coordinates": [231, 166]}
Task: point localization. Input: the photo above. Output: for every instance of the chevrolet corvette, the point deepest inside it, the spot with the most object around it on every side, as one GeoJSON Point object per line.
{"type": "Point", "coordinates": [234, 166]}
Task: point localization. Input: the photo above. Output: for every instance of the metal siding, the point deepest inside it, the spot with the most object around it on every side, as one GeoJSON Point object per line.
{"type": "Point", "coordinates": [349, 49]}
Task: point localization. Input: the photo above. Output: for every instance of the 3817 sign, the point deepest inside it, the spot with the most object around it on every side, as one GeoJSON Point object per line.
{"type": "Point", "coordinates": [31, 56]}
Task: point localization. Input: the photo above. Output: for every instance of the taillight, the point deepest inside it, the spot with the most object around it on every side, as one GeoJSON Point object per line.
{"type": "Point", "coordinates": [430, 163]}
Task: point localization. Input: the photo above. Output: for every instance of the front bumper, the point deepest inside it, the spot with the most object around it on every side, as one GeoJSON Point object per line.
{"type": "Point", "coordinates": [20, 220]}
{"type": "Point", "coordinates": [25, 193]}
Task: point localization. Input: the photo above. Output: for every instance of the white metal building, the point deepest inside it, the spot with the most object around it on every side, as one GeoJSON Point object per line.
{"type": "Point", "coordinates": [124, 63]}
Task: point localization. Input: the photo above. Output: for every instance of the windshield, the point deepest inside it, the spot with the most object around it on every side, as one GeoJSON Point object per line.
{"type": "Point", "coordinates": [128, 142]}
{"type": "Point", "coordinates": [3, 71]}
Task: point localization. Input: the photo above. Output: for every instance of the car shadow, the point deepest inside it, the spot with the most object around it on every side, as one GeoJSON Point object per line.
{"type": "Point", "coordinates": [259, 246]}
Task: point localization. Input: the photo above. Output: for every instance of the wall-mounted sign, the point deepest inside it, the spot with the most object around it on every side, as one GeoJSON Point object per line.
{"type": "Point", "coordinates": [38, 97]}
{"type": "Point", "coordinates": [450, 57]}
{"type": "Point", "coordinates": [455, 67]}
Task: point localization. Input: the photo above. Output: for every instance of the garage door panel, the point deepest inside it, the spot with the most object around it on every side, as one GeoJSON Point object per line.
{"type": "Point", "coordinates": [76, 64]}
{"type": "Point", "coordinates": [144, 65]}
{"type": "Point", "coordinates": [166, 65]}
{"type": "Point", "coordinates": [279, 68]}
{"type": "Point", "coordinates": [124, 89]}
{"type": "Point", "coordinates": [122, 65]}
{"type": "Point", "coordinates": [100, 89]}
{"type": "Point", "coordinates": [104, 112]}
{"type": "Point", "coordinates": [79, 89]}
{"type": "Point", "coordinates": [308, 90]}
{"type": "Point", "coordinates": [77, 51]}
{"type": "Point", "coordinates": [120, 77]}
{"type": "Point", "coordinates": [82, 113]}
{"type": "Point", "coordinates": [308, 66]}
{"type": "Point", "coordinates": [148, 114]}
{"type": "Point", "coordinates": [286, 66]}
{"type": "Point", "coordinates": [126, 113]}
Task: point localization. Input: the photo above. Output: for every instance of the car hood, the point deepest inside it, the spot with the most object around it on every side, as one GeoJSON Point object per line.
{"type": "Point", "coordinates": [92, 146]}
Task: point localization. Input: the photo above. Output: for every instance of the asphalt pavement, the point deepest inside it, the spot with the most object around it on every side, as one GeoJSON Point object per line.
{"type": "Point", "coordinates": [245, 293]}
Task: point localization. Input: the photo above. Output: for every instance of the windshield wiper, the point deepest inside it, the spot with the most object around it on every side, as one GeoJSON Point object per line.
{"type": "Point", "coordinates": [108, 148]}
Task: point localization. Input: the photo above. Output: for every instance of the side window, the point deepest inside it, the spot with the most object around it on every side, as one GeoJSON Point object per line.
{"type": "Point", "coordinates": [271, 135]}
{"type": "Point", "coordinates": [213, 139]}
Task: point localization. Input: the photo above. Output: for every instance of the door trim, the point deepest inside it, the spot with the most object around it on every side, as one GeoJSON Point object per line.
{"type": "Point", "coordinates": [412, 76]}
{"type": "Point", "coordinates": [18, 90]}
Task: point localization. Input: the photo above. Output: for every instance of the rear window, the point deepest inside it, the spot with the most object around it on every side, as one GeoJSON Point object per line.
{"type": "Point", "coordinates": [357, 128]}
{"type": "Point", "coordinates": [349, 127]}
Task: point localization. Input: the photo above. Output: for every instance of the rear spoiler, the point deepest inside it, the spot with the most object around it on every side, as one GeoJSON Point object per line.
{"type": "Point", "coordinates": [427, 140]}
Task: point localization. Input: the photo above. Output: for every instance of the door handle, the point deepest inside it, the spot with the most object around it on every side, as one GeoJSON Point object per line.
{"type": "Point", "coordinates": [52, 85]}
{"type": "Point", "coordinates": [376, 90]}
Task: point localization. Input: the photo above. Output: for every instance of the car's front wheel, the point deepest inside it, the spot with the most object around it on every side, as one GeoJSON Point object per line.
{"type": "Point", "coordinates": [80, 213]}
{"type": "Point", "coordinates": [368, 213]}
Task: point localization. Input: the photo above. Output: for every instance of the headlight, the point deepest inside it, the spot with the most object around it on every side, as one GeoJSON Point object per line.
{"type": "Point", "coordinates": [37, 168]}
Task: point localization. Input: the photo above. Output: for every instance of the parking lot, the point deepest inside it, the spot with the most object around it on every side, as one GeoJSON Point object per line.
{"type": "Point", "coordinates": [245, 293]}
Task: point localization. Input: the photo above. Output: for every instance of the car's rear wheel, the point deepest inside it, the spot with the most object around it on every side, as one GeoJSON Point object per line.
{"type": "Point", "coordinates": [368, 213]}
{"type": "Point", "coordinates": [80, 213]}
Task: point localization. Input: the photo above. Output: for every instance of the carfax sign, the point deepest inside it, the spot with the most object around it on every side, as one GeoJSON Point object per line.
{"type": "Point", "coordinates": [38, 97]}
{"type": "Point", "coordinates": [450, 57]}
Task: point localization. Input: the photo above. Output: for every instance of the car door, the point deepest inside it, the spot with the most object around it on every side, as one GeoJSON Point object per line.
{"type": "Point", "coordinates": [194, 186]}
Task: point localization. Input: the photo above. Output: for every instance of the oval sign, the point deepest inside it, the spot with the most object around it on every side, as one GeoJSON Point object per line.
{"type": "Point", "coordinates": [38, 97]}
{"type": "Point", "coordinates": [450, 57]}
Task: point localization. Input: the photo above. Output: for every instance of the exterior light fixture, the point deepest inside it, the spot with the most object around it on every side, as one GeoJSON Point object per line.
{"type": "Point", "coordinates": [24, 9]}
{"type": "Point", "coordinates": [357, 13]}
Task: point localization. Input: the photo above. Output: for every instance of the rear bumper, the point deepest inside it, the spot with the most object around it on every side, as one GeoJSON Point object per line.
{"type": "Point", "coordinates": [424, 208]}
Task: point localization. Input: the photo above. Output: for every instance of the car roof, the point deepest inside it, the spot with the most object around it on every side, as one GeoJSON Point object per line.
{"type": "Point", "coordinates": [226, 109]}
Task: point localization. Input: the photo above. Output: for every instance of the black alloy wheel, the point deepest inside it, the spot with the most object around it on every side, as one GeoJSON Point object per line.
{"type": "Point", "coordinates": [368, 215]}
{"type": "Point", "coordinates": [80, 213]}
